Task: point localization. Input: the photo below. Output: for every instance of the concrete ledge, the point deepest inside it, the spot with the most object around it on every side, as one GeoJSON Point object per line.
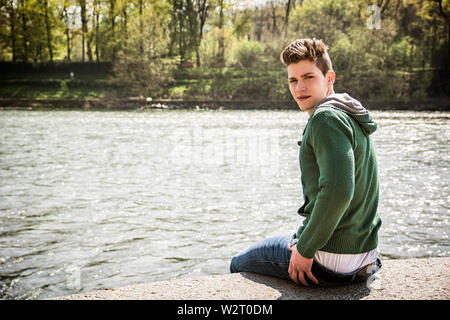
{"type": "Point", "coordinates": [398, 279]}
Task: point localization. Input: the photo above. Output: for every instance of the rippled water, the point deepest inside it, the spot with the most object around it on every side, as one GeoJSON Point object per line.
{"type": "Point", "coordinates": [92, 200]}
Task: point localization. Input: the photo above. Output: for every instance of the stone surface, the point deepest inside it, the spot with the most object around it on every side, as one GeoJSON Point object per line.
{"type": "Point", "coordinates": [398, 279]}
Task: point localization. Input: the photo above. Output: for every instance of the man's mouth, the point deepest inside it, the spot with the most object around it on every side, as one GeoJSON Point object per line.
{"type": "Point", "coordinates": [303, 98]}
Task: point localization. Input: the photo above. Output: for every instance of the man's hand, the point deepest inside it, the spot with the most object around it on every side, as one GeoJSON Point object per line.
{"type": "Point", "coordinates": [299, 266]}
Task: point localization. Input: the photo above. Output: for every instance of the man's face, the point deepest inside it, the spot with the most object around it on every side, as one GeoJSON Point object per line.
{"type": "Point", "coordinates": [308, 85]}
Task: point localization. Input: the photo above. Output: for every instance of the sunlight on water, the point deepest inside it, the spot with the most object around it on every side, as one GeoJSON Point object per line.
{"type": "Point", "coordinates": [93, 200]}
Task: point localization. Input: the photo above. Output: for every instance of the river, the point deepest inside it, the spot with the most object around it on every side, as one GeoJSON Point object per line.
{"type": "Point", "coordinates": [102, 199]}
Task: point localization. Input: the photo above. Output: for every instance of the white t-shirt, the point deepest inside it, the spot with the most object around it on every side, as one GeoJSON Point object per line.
{"type": "Point", "coordinates": [345, 263]}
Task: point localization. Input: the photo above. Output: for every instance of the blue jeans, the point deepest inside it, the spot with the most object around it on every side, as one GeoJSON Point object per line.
{"type": "Point", "coordinates": [272, 257]}
{"type": "Point", "coordinates": [269, 257]}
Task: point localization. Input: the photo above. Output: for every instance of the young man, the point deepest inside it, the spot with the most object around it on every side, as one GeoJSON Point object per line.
{"type": "Point", "coordinates": [337, 242]}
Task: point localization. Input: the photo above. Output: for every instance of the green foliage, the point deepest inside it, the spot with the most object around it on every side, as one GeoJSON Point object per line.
{"type": "Point", "coordinates": [141, 62]}
{"type": "Point", "coordinates": [322, 19]}
{"type": "Point", "coordinates": [249, 54]}
{"type": "Point", "coordinates": [184, 29]}
{"type": "Point", "coordinates": [243, 24]}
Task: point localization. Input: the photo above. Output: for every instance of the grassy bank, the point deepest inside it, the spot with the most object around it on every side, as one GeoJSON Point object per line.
{"type": "Point", "coordinates": [97, 81]}
{"type": "Point", "coordinates": [93, 85]}
{"type": "Point", "coordinates": [58, 81]}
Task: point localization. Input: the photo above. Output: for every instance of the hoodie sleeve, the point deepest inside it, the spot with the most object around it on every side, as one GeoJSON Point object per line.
{"type": "Point", "coordinates": [331, 139]}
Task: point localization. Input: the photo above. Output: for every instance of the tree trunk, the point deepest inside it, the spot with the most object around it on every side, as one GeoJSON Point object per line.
{"type": "Point", "coordinates": [259, 25]}
{"type": "Point", "coordinates": [12, 23]}
{"type": "Point", "coordinates": [24, 20]}
{"type": "Point", "coordinates": [125, 23]}
{"type": "Point", "coordinates": [221, 36]}
{"type": "Point", "coordinates": [89, 49]}
{"type": "Point", "coordinates": [83, 27]}
{"type": "Point", "coordinates": [141, 30]}
{"type": "Point", "coordinates": [96, 23]}
{"type": "Point", "coordinates": [65, 18]}
{"type": "Point", "coordinates": [433, 44]}
{"type": "Point", "coordinates": [286, 18]}
{"type": "Point", "coordinates": [448, 40]}
{"type": "Point", "coordinates": [68, 43]}
{"type": "Point", "coordinates": [181, 38]}
{"type": "Point", "coordinates": [38, 53]}
{"type": "Point", "coordinates": [383, 5]}
{"type": "Point", "coordinates": [274, 20]}
{"type": "Point", "coordinates": [197, 56]}
{"type": "Point", "coordinates": [202, 11]}
{"type": "Point", "coordinates": [113, 29]}
{"type": "Point", "coordinates": [47, 28]}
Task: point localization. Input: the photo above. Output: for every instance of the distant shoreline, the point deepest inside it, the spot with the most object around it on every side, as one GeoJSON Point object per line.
{"type": "Point", "coordinates": [437, 104]}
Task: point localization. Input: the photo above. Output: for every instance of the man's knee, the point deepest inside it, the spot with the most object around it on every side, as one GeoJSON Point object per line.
{"type": "Point", "coordinates": [234, 265]}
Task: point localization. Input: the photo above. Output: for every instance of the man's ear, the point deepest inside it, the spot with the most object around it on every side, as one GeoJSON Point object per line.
{"type": "Point", "coordinates": [331, 76]}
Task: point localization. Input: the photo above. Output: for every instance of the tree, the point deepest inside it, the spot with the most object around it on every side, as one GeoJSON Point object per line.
{"type": "Point", "coordinates": [273, 12]}
{"type": "Point", "coordinates": [222, 17]}
{"type": "Point", "coordinates": [308, 19]}
{"type": "Point", "coordinates": [440, 59]}
{"type": "Point", "coordinates": [82, 4]}
{"type": "Point", "coordinates": [23, 16]}
{"type": "Point", "coordinates": [67, 16]}
{"type": "Point", "coordinates": [47, 16]}
{"type": "Point", "coordinates": [202, 11]}
{"type": "Point", "coordinates": [112, 14]}
{"type": "Point", "coordinates": [141, 27]}
{"type": "Point", "coordinates": [286, 17]}
{"type": "Point", "coordinates": [184, 27]}
{"type": "Point", "coordinates": [13, 21]}
{"type": "Point", "coordinates": [96, 26]}
{"type": "Point", "coordinates": [141, 61]}
{"type": "Point", "coordinates": [243, 23]}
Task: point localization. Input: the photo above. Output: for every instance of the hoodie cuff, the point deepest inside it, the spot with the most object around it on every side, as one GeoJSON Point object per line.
{"type": "Point", "coordinates": [305, 252]}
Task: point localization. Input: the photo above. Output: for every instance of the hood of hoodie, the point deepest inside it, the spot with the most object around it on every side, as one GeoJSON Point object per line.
{"type": "Point", "coordinates": [352, 107]}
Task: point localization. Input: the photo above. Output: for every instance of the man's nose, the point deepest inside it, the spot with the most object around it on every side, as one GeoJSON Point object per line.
{"type": "Point", "coordinates": [300, 85]}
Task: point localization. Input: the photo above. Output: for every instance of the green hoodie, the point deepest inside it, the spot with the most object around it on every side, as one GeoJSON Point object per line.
{"type": "Point", "coordinates": [339, 179]}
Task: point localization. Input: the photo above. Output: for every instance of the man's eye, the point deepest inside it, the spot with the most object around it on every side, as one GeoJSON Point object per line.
{"type": "Point", "coordinates": [291, 81]}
